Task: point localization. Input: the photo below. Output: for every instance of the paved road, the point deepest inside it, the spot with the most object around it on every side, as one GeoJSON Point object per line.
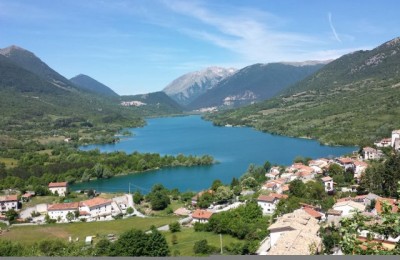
{"type": "Point", "coordinates": [132, 205]}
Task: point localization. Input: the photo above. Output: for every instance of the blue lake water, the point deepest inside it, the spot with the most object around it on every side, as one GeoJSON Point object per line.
{"type": "Point", "coordinates": [234, 147]}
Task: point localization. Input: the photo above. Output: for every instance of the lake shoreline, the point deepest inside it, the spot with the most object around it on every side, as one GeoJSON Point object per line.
{"type": "Point", "coordinates": [234, 147]}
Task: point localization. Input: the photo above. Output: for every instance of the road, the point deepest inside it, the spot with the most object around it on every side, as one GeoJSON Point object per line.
{"type": "Point", "coordinates": [132, 205]}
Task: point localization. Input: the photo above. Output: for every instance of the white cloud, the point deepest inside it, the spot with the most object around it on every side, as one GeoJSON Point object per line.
{"type": "Point", "coordinates": [256, 36]}
{"type": "Point", "coordinates": [333, 28]}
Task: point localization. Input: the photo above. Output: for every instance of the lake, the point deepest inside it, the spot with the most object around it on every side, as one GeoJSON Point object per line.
{"type": "Point", "coordinates": [234, 147]}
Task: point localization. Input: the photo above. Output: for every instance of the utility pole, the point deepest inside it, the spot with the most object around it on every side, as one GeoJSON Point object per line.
{"type": "Point", "coordinates": [220, 240]}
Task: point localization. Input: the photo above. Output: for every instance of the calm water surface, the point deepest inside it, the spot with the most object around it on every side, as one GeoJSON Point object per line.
{"type": "Point", "coordinates": [234, 147]}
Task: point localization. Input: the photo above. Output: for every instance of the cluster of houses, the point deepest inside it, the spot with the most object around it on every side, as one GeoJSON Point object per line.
{"type": "Point", "coordinates": [279, 178]}
{"type": "Point", "coordinates": [94, 209]}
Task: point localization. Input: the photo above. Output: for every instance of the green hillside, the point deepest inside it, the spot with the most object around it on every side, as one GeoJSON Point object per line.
{"type": "Point", "coordinates": [88, 83]}
{"type": "Point", "coordinates": [154, 104]}
{"type": "Point", "coordinates": [352, 100]}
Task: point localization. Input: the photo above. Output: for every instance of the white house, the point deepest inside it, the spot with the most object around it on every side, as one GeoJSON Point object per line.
{"type": "Point", "coordinates": [273, 173]}
{"type": "Point", "coordinates": [201, 215]}
{"type": "Point", "coordinates": [328, 183]}
{"type": "Point", "coordinates": [8, 202]}
{"type": "Point", "coordinates": [384, 142]}
{"type": "Point", "coordinates": [268, 202]}
{"type": "Point", "coordinates": [93, 209]}
{"type": "Point", "coordinates": [370, 153]}
{"type": "Point", "coordinates": [98, 208]}
{"type": "Point", "coordinates": [59, 211]}
{"type": "Point", "coordinates": [60, 187]}
{"type": "Point", "coordinates": [395, 136]}
{"type": "Point", "coordinates": [348, 208]}
{"type": "Point", "coordinates": [346, 163]}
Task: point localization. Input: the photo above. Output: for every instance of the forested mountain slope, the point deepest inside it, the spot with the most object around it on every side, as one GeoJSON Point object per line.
{"type": "Point", "coordinates": [352, 100]}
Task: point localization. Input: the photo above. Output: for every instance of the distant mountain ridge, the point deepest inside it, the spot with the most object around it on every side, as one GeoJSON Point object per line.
{"type": "Point", "coordinates": [155, 103]}
{"type": "Point", "coordinates": [34, 96]}
{"type": "Point", "coordinates": [32, 63]}
{"type": "Point", "coordinates": [88, 83]}
{"type": "Point", "coordinates": [353, 100]}
{"type": "Point", "coordinates": [191, 85]}
{"type": "Point", "coordinates": [255, 83]}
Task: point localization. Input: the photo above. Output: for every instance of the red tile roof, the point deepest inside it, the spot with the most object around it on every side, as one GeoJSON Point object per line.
{"type": "Point", "coordinates": [201, 214]}
{"type": "Point", "coordinates": [313, 213]}
{"type": "Point", "coordinates": [392, 202]}
{"type": "Point", "coordinates": [279, 196]}
{"type": "Point", "coordinates": [63, 206]}
{"type": "Point", "coordinates": [266, 198]}
{"type": "Point", "coordinates": [271, 197]}
{"type": "Point", "coordinates": [58, 184]}
{"type": "Point", "coordinates": [27, 195]}
{"type": "Point", "coordinates": [97, 201]}
{"type": "Point", "coordinates": [345, 160]}
{"type": "Point", "coordinates": [9, 198]}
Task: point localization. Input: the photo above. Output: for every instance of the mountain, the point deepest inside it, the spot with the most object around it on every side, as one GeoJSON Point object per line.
{"type": "Point", "coordinates": [33, 104]}
{"type": "Point", "coordinates": [88, 83]}
{"type": "Point", "coordinates": [27, 60]}
{"type": "Point", "coordinates": [152, 104]}
{"type": "Point", "coordinates": [254, 83]}
{"type": "Point", "coordinates": [191, 85]}
{"type": "Point", "coordinates": [352, 100]}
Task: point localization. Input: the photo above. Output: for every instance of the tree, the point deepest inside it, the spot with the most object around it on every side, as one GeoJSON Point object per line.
{"type": "Point", "coordinates": [297, 188]}
{"type": "Point", "coordinates": [201, 247]}
{"type": "Point", "coordinates": [70, 216]}
{"type": "Point", "coordinates": [249, 183]}
{"type": "Point", "coordinates": [102, 248]}
{"type": "Point", "coordinates": [8, 248]}
{"type": "Point", "coordinates": [335, 169]}
{"type": "Point", "coordinates": [157, 244]}
{"type": "Point", "coordinates": [130, 243]}
{"type": "Point", "coordinates": [267, 166]}
{"type": "Point", "coordinates": [90, 193]}
{"type": "Point", "coordinates": [223, 194]}
{"type": "Point", "coordinates": [129, 210]}
{"type": "Point", "coordinates": [175, 227]}
{"type": "Point", "coordinates": [216, 184]}
{"type": "Point", "coordinates": [235, 182]}
{"type": "Point", "coordinates": [159, 201]}
{"type": "Point", "coordinates": [137, 197]}
{"type": "Point", "coordinates": [11, 215]}
{"type": "Point", "coordinates": [205, 200]}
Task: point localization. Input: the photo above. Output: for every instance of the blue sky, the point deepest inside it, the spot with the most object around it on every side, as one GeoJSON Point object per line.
{"type": "Point", "coordinates": [140, 46]}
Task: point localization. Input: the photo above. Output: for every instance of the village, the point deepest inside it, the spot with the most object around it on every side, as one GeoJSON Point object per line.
{"type": "Point", "coordinates": [293, 233]}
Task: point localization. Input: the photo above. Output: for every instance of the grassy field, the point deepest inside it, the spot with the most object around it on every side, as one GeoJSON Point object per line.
{"type": "Point", "coordinates": [31, 234]}
{"type": "Point", "coordinates": [175, 204]}
{"type": "Point", "coordinates": [187, 237]}
{"type": "Point", "coordinates": [9, 162]}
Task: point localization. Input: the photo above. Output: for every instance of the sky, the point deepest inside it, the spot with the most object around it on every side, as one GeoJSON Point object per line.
{"type": "Point", "coordinates": [140, 46]}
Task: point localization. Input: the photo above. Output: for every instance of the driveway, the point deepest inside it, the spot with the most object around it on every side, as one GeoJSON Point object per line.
{"type": "Point", "coordinates": [27, 213]}
{"type": "Point", "coordinates": [132, 205]}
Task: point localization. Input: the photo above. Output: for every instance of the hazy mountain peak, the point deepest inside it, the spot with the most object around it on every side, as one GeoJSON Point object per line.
{"type": "Point", "coordinates": [85, 82]}
{"type": "Point", "coordinates": [189, 86]}
{"type": "Point", "coordinates": [13, 48]}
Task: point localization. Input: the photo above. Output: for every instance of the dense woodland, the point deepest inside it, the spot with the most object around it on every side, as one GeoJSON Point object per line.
{"type": "Point", "coordinates": [65, 163]}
